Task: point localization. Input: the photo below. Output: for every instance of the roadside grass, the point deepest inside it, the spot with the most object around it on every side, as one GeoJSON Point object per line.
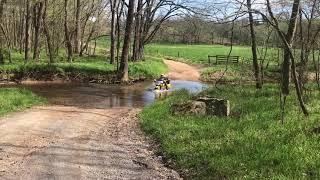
{"type": "Point", "coordinates": [88, 65]}
{"type": "Point", "coordinates": [231, 73]}
{"type": "Point", "coordinates": [250, 144]}
{"type": "Point", "coordinates": [15, 99]}
{"type": "Point", "coordinates": [238, 73]}
{"type": "Point", "coordinates": [152, 67]}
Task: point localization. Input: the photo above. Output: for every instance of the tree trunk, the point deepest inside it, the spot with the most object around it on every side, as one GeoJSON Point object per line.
{"type": "Point", "coordinates": [254, 48]}
{"type": "Point", "coordinates": [27, 31]}
{"type": "Point", "coordinates": [306, 44]}
{"type": "Point", "coordinates": [136, 54]}
{"type": "Point", "coordinates": [86, 43]}
{"type": "Point", "coordinates": [14, 31]}
{"type": "Point", "coordinates": [124, 69]}
{"type": "Point", "coordinates": [47, 33]}
{"type": "Point", "coordinates": [21, 22]}
{"type": "Point", "coordinates": [1, 57]}
{"type": "Point", "coordinates": [289, 37]}
{"type": "Point", "coordinates": [288, 40]}
{"type": "Point", "coordinates": [119, 14]}
{"type": "Point", "coordinates": [78, 27]}
{"type": "Point", "coordinates": [66, 32]}
{"type": "Point", "coordinates": [113, 6]}
{"type": "Point", "coordinates": [2, 3]}
{"type": "Point", "coordinates": [37, 26]}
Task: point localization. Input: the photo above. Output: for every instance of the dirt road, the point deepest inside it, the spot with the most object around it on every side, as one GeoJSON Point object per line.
{"type": "Point", "coordinates": [72, 139]}
{"type": "Point", "coordinates": [182, 71]}
{"type": "Point", "coordinates": [58, 142]}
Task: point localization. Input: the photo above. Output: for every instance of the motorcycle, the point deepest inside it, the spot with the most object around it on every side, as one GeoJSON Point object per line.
{"type": "Point", "coordinates": [162, 85]}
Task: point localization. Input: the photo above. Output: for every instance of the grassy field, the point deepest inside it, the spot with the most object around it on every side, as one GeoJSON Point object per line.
{"type": "Point", "coordinates": [250, 144]}
{"type": "Point", "coordinates": [199, 53]}
{"type": "Point", "coordinates": [14, 99]}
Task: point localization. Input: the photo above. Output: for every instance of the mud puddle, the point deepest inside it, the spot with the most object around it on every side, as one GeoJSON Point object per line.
{"type": "Point", "coordinates": [102, 96]}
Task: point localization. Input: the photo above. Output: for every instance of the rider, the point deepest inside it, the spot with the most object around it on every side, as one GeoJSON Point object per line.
{"type": "Point", "coordinates": [162, 77]}
{"type": "Point", "coordinates": [164, 80]}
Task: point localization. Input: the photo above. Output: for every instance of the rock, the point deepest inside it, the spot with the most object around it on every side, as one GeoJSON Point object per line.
{"type": "Point", "coordinates": [218, 107]}
{"type": "Point", "coordinates": [202, 106]}
{"type": "Point", "coordinates": [189, 107]}
{"type": "Point", "coordinates": [198, 108]}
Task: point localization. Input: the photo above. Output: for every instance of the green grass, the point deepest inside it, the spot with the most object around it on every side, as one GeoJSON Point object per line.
{"type": "Point", "coordinates": [150, 68]}
{"type": "Point", "coordinates": [15, 99]}
{"type": "Point", "coordinates": [251, 144]}
{"type": "Point", "coordinates": [199, 53]}
{"type": "Point", "coordinates": [88, 66]}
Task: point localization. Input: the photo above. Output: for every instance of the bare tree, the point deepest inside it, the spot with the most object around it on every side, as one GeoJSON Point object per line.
{"type": "Point", "coordinates": [124, 66]}
{"type": "Point", "coordinates": [38, 8]}
{"type": "Point", "coordinates": [27, 31]}
{"type": "Point", "coordinates": [119, 14]}
{"type": "Point", "coordinates": [67, 33]}
{"type": "Point", "coordinates": [78, 27]}
{"type": "Point", "coordinates": [2, 3]}
{"type": "Point", "coordinates": [113, 8]}
{"type": "Point", "coordinates": [148, 21]}
{"type": "Point", "coordinates": [47, 33]}
{"type": "Point", "coordinates": [308, 38]}
{"type": "Point", "coordinates": [137, 54]}
{"type": "Point", "coordinates": [254, 48]}
{"type": "Point", "coordinates": [289, 59]}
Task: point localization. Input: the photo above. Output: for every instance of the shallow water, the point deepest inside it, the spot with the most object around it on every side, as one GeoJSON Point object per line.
{"type": "Point", "coordinates": [106, 96]}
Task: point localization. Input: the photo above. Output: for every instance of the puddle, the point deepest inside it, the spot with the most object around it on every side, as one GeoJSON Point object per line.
{"type": "Point", "coordinates": [103, 96]}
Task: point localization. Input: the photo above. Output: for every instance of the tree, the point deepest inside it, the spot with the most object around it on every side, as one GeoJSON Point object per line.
{"type": "Point", "coordinates": [27, 31]}
{"type": "Point", "coordinates": [113, 8]}
{"type": "Point", "coordinates": [289, 59]}
{"type": "Point", "coordinates": [254, 48]}
{"type": "Point", "coordinates": [308, 36]}
{"type": "Point", "coordinates": [2, 3]}
{"type": "Point", "coordinates": [137, 54]}
{"type": "Point", "coordinates": [124, 66]}
{"type": "Point", "coordinates": [37, 10]}
{"type": "Point", "coordinates": [149, 21]}
{"type": "Point", "coordinates": [67, 33]}
{"type": "Point", "coordinates": [78, 28]}
{"type": "Point", "coordinates": [47, 33]}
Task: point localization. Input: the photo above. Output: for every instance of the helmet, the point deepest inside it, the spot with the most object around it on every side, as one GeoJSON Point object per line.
{"type": "Point", "coordinates": [162, 75]}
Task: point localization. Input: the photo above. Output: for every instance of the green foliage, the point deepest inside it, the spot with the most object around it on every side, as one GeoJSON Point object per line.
{"type": "Point", "coordinates": [14, 99]}
{"type": "Point", "coordinates": [251, 144]}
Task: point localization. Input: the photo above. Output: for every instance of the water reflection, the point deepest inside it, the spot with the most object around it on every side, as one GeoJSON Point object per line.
{"type": "Point", "coordinates": [102, 96]}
